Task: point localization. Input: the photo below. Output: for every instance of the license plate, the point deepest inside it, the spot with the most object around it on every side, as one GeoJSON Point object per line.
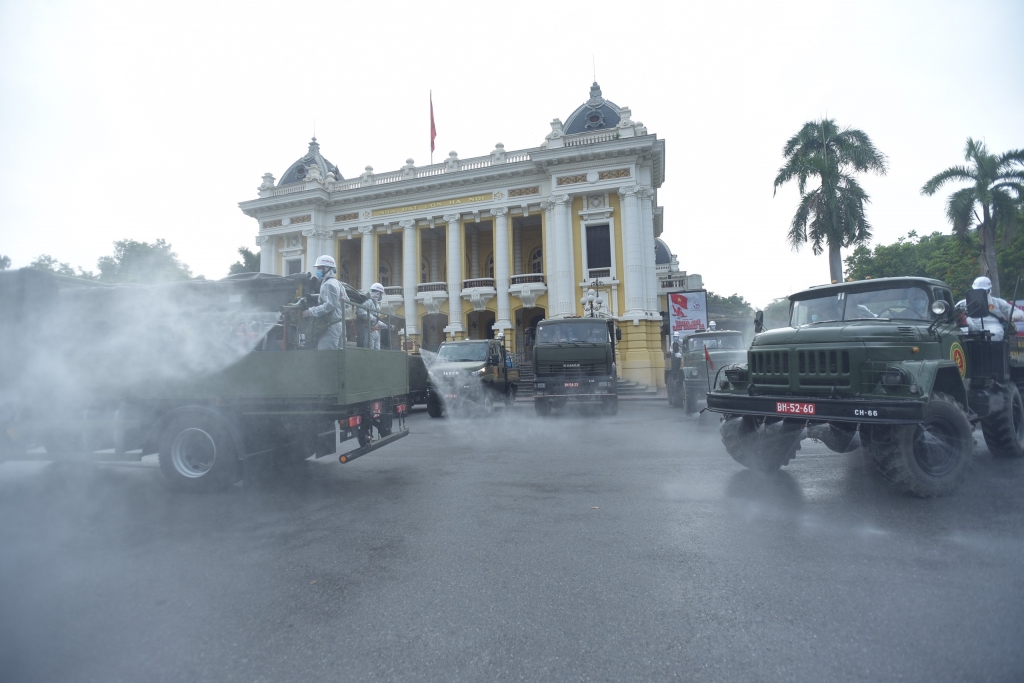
{"type": "Point", "coordinates": [571, 384]}
{"type": "Point", "coordinates": [794, 408]}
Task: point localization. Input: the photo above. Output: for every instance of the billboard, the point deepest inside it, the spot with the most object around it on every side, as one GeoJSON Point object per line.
{"type": "Point", "coordinates": [687, 312]}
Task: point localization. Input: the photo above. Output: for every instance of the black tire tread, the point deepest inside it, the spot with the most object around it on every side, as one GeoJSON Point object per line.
{"type": "Point", "coordinates": [759, 452]}
{"type": "Point", "coordinates": [998, 430]}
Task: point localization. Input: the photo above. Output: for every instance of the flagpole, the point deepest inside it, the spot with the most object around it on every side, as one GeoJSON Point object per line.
{"type": "Point", "coordinates": [431, 127]}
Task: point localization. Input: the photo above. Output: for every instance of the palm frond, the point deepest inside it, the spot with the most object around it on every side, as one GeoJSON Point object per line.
{"type": "Point", "coordinates": [960, 210]}
{"type": "Point", "coordinates": [950, 174]}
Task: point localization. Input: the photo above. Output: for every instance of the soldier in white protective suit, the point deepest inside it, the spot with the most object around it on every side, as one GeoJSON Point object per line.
{"type": "Point", "coordinates": [1000, 312]}
{"type": "Point", "coordinates": [330, 308]}
{"type": "Point", "coordinates": [369, 318]}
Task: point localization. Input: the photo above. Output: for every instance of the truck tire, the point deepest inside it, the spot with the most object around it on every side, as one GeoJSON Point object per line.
{"type": "Point", "coordinates": [839, 440]}
{"type": "Point", "coordinates": [690, 401]}
{"type": "Point", "coordinates": [434, 408]}
{"type": "Point", "coordinates": [761, 444]}
{"type": "Point", "coordinates": [675, 397]}
{"type": "Point", "coordinates": [1004, 432]}
{"type": "Point", "coordinates": [197, 453]}
{"type": "Point", "coordinates": [610, 405]}
{"type": "Point", "coordinates": [542, 406]}
{"type": "Point", "coordinates": [510, 396]}
{"type": "Point", "coordinates": [931, 458]}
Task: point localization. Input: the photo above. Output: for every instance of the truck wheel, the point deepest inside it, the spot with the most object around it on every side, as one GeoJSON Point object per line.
{"type": "Point", "coordinates": [543, 407]}
{"type": "Point", "coordinates": [673, 395]}
{"type": "Point", "coordinates": [931, 458]}
{"type": "Point", "coordinates": [385, 424]}
{"type": "Point", "coordinates": [610, 406]}
{"type": "Point", "coordinates": [762, 444]}
{"type": "Point", "coordinates": [434, 408]}
{"type": "Point", "coordinates": [1004, 433]}
{"type": "Point", "coordinates": [197, 454]}
{"type": "Point", "coordinates": [510, 396]}
{"type": "Point", "coordinates": [839, 440]}
{"type": "Point", "coordinates": [690, 401]}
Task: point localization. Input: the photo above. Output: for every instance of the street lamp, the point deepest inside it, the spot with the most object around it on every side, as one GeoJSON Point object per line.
{"type": "Point", "coordinates": [593, 302]}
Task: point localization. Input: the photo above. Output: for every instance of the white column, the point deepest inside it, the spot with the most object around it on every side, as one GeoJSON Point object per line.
{"type": "Point", "coordinates": [435, 258]}
{"type": "Point", "coordinates": [572, 294]}
{"type": "Point", "coordinates": [454, 246]}
{"type": "Point", "coordinates": [650, 271]}
{"type": "Point", "coordinates": [369, 274]}
{"type": "Point", "coordinates": [550, 266]}
{"type": "Point", "coordinates": [632, 252]}
{"type": "Point", "coordinates": [474, 253]}
{"type": "Point", "coordinates": [396, 262]}
{"type": "Point", "coordinates": [501, 279]}
{"type": "Point", "coordinates": [410, 278]}
{"type": "Point", "coordinates": [268, 253]}
{"type": "Point", "coordinates": [517, 249]}
{"type": "Point", "coordinates": [563, 256]}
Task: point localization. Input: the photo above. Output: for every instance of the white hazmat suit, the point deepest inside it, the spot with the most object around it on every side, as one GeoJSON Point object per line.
{"type": "Point", "coordinates": [1000, 311]}
{"type": "Point", "coordinates": [332, 293]}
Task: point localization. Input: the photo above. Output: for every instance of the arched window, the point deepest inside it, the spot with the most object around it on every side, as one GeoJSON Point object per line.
{"type": "Point", "coordinates": [537, 261]}
{"type": "Point", "coordinates": [384, 274]}
{"type": "Point", "coordinates": [490, 266]}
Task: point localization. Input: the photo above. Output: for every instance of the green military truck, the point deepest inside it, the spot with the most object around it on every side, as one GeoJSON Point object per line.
{"type": "Point", "coordinates": [471, 374]}
{"type": "Point", "coordinates": [688, 385]}
{"type": "Point", "coordinates": [574, 360]}
{"type": "Point", "coordinates": [220, 378]}
{"type": "Point", "coordinates": [882, 364]}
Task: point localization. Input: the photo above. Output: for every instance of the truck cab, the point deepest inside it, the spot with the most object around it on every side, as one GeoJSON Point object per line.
{"type": "Point", "coordinates": [574, 360]}
{"type": "Point", "coordinates": [688, 386]}
{"type": "Point", "coordinates": [474, 373]}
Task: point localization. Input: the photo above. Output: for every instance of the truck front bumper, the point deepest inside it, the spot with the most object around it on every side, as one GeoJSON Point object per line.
{"type": "Point", "coordinates": [575, 389]}
{"type": "Point", "coordinates": [868, 411]}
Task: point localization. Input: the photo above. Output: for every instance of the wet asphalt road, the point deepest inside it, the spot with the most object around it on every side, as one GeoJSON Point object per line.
{"type": "Point", "coordinates": [570, 549]}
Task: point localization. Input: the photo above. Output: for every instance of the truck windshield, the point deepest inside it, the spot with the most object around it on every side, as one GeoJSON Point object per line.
{"type": "Point", "coordinates": [907, 303]}
{"type": "Point", "coordinates": [570, 333]}
{"type": "Point", "coordinates": [463, 353]}
{"type": "Point", "coordinates": [726, 341]}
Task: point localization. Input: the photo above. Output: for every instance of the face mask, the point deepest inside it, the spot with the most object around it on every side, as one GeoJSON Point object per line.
{"type": "Point", "coordinates": [319, 274]}
{"type": "Point", "coordinates": [375, 296]}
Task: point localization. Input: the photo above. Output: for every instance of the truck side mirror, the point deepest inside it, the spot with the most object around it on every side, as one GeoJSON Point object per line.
{"type": "Point", "coordinates": [759, 322]}
{"type": "Point", "coordinates": [618, 334]}
{"type": "Point", "coordinates": [977, 303]}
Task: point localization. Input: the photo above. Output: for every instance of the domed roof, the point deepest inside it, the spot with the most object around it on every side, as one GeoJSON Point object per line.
{"type": "Point", "coordinates": [662, 254]}
{"type": "Point", "coordinates": [297, 172]}
{"type": "Point", "coordinates": [594, 114]}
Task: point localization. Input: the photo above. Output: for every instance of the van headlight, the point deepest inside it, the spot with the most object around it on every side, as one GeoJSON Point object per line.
{"type": "Point", "coordinates": [480, 372]}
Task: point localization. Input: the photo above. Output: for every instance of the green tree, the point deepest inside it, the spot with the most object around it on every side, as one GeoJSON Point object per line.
{"type": "Point", "coordinates": [997, 187]}
{"type": "Point", "coordinates": [142, 262]}
{"type": "Point", "coordinates": [5, 262]}
{"type": "Point", "coordinates": [776, 314]}
{"type": "Point", "coordinates": [49, 263]}
{"type": "Point", "coordinates": [728, 305]}
{"type": "Point", "coordinates": [250, 262]}
{"type": "Point", "coordinates": [832, 214]}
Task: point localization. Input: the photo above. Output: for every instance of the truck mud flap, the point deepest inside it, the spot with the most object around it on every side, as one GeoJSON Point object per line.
{"type": "Point", "coordinates": [369, 448]}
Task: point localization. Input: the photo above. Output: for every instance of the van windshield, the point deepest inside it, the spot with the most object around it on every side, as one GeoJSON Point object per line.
{"type": "Point", "coordinates": [725, 341]}
{"type": "Point", "coordinates": [463, 353]}
{"type": "Point", "coordinates": [573, 333]}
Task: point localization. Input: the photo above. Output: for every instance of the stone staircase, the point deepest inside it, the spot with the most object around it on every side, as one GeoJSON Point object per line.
{"type": "Point", "coordinates": [628, 389]}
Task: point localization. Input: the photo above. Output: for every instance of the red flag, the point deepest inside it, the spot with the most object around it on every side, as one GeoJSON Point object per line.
{"type": "Point", "coordinates": [433, 128]}
{"type": "Point", "coordinates": [707, 357]}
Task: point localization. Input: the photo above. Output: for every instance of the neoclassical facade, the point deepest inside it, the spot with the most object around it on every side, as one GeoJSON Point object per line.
{"type": "Point", "coordinates": [469, 247]}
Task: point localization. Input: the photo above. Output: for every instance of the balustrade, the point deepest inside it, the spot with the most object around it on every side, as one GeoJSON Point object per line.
{"type": "Point", "coordinates": [528, 278]}
{"type": "Point", "coordinates": [478, 282]}
{"type": "Point", "coordinates": [431, 287]}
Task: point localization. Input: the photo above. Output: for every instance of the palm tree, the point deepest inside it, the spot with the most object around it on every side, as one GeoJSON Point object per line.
{"type": "Point", "coordinates": [997, 185]}
{"type": "Point", "coordinates": [831, 214]}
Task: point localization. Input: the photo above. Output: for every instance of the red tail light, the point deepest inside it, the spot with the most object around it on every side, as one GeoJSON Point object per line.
{"type": "Point", "coordinates": [355, 421]}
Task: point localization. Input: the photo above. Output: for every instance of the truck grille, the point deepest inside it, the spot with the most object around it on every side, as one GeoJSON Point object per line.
{"type": "Point", "coordinates": [571, 369]}
{"type": "Point", "coordinates": [813, 368]}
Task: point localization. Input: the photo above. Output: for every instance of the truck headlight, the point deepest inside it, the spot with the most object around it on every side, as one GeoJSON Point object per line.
{"type": "Point", "coordinates": [481, 372]}
{"type": "Point", "coordinates": [893, 377]}
{"type": "Point", "coordinates": [693, 372]}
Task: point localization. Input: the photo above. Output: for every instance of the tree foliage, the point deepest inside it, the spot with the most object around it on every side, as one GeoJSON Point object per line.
{"type": "Point", "coordinates": [949, 258]}
{"type": "Point", "coordinates": [830, 215]}
{"type": "Point", "coordinates": [5, 262]}
{"type": "Point", "coordinates": [776, 314]}
{"type": "Point", "coordinates": [250, 262]}
{"type": "Point", "coordinates": [996, 186]}
{"type": "Point", "coordinates": [49, 263]}
{"type": "Point", "coordinates": [142, 262]}
{"type": "Point", "coordinates": [728, 305]}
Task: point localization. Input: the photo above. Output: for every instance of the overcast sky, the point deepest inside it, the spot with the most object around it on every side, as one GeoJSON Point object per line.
{"type": "Point", "coordinates": [148, 120]}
